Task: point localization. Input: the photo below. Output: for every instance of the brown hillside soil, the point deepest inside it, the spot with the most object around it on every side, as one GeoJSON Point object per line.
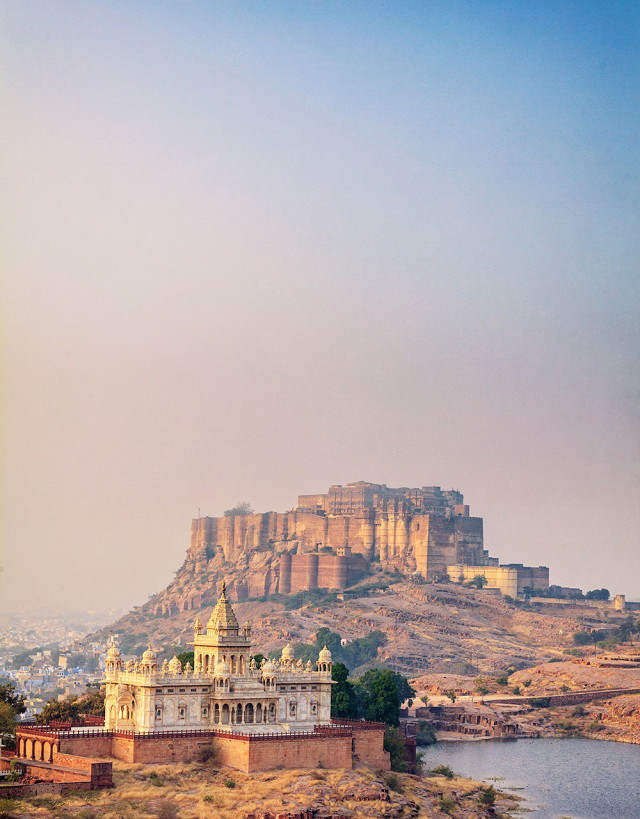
{"type": "Point", "coordinates": [551, 678]}
{"type": "Point", "coordinates": [615, 719]}
{"type": "Point", "coordinates": [195, 791]}
{"type": "Point", "coordinates": [431, 628]}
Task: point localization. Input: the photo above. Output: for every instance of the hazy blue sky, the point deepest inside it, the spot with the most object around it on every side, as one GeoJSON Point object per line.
{"type": "Point", "coordinates": [254, 248]}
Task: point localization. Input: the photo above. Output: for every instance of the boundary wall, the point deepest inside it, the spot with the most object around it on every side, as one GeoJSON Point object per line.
{"type": "Point", "coordinates": [338, 745]}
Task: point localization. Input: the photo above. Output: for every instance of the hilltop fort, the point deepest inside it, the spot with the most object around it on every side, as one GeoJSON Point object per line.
{"type": "Point", "coordinates": [329, 541]}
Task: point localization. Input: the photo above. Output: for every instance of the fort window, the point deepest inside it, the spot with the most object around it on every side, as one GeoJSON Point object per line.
{"type": "Point", "coordinates": [181, 691]}
{"type": "Point", "coordinates": [292, 709]}
{"type": "Point", "coordinates": [170, 690]}
{"type": "Point", "coordinates": [193, 690]}
{"type": "Point", "coordinates": [158, 690]}
{"type": "Point", "coordinates": [181, 712]}
{"type": "Point", "coordinates": [158, 713]}
{"type": "Point", "coordinates": [205, 711]}
{"type": "Point", "coordinates": [314, 707]}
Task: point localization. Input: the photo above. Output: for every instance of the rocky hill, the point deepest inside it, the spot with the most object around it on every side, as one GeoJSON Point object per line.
{"type": "Point", "coordinates": [429, 627]}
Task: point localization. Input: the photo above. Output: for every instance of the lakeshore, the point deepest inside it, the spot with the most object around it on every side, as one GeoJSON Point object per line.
{"type": "Point", "coordinates": [569, 777]}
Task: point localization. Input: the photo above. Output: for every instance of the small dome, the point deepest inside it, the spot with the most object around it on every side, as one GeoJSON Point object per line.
{"type": "Point", "coordinates": [175, 666]}
{"type": "Point", "coordinates": [222, 668]}
{"type": "Point", "coordinates": [287, 653]}
{"type": "Point", "coordinates": [325, 655]}
{"type": "Point", "coordinates": [113, 652]}
{"type": "Point", "coordinates": [149, 656]}
{"type": "Point", "coordinates": [197, 625]}
{"type": "Point", "coordinates": [269, 667]}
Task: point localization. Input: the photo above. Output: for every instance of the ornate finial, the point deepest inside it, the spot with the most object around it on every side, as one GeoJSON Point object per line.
{"type": "Point", "coordinates": [224, 589]}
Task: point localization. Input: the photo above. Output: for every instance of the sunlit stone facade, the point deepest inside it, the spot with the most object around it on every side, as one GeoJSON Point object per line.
{"type": "Point", "coordinates": [225, 689]}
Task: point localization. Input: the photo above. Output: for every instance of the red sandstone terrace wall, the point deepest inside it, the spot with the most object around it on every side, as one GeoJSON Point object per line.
{"type": "Point", "coordinates": [328, 747]}
{"type": "Point", "coordinates": [311, 752]}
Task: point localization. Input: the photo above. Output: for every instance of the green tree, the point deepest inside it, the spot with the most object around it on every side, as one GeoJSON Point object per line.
{"type": "Point", "coordinates": [479, 581]}
{"type": "Point", "coordinates": [344, 704]}
{"type": "Point", "coordinates": [23, 658]}
{"type": "Point", "coordinates": [8, 695]}
{"type": "Point", "coordinates": [381, 701]}
{"type": "Point", "coordinates": [241, 508]}
{"type": "Point", "coordinates": [598, 594]}
{"type": "Point", "coordinates": [405, 690]}
{"type": "Point", "coordinates": [8, 719]}
{"type": "Point", "coordinates": [395, 745]}
{"type": "Point", "coordinates": [328, 638]}
{"type": "Point", "coordinates": [426, 733]}
{"type": "Point", "coordinates": [487, 796]}
{"type": "Point", "coordinates": [70, 709]}
{"type": "Point", "coordinates": [186, 657]}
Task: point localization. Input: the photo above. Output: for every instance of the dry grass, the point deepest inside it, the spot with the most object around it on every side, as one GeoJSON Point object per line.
{"type": "Point", "coordinates": [196, 791]}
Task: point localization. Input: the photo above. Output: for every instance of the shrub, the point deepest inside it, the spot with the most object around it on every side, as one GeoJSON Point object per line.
{"type": "Point", "coordinates": [564, 688]}
{"type": "Point", "coordinates": [167, 810]}
{"type": "Point", "coordinates": [394, 744]}
{"type": "Point", "coordinates": [555, 660]}
{"type": "Point", "coordinates": [487, 796]}
{"type": "Point", "coordinates": [443, 770]}
{"type": "Point", "coordinates": [516, 689]}
{"type": "Point", "coordinates": [393, 783]}
{"type": "Point", "coordinates": [540, 702]}
{"type": "Point", "coordinates": [209, 754]}
{"type": "Point", "coordinates": [596, 725]}
{"type": "Point", "coordinates": [567, 725]}
{"type": "Point", "coordinates": [229, 783]}
{"type": "Point", "coordinates": [526, 683]}
{"type": "Point", "coordinates": [426, 733]}
{"type": "Point", "coordinates": [578, 711]}
{"type": "Point", "coordinates": [446, 805]}
{"type": "Point", "coordinates": [503, 679]}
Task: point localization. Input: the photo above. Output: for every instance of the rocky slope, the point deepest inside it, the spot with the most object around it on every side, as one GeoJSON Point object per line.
{"type": "Point", "coordinates": [436, 628]}
{"type": "Point", "coordinates": [195, 791]}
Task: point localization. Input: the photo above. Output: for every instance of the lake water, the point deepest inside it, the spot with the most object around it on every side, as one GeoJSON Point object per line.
{"type": "Point", "coordinates": [577, 778]}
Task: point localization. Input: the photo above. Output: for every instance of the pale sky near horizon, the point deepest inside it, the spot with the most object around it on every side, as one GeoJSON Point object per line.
{"type": "Point", "coordinates": [252, 249]}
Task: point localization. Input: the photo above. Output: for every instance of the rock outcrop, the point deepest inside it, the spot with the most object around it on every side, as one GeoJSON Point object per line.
{"type": "Point", "coordinates": [326, 542]}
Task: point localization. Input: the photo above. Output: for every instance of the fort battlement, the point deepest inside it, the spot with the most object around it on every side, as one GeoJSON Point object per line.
{"type": "Point", "coordinates": [328, 541]}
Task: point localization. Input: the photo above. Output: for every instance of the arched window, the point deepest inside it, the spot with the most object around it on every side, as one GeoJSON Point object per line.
{"type": "Point", "coordinates": [248, 713]}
